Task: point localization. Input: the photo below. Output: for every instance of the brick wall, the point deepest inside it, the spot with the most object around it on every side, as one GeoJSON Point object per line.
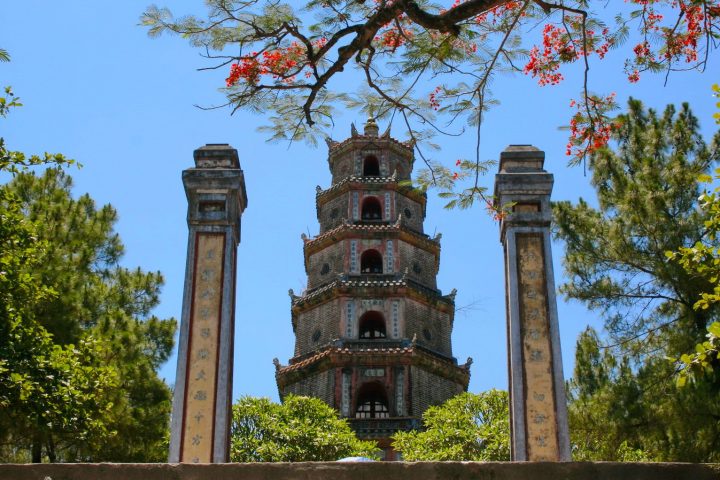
{"type": "Point", "coordinates": [428, 389]}
{"type": "Point", "coordinates": [343, 167]}
{"type": "Point", "coordinates": [334, 212]}
{"type": "Point", "coordinates": [324, 318]}
{"type": "Point", "coordinates": [320, 385]}
{"type": "Point", "coordinates": [325, 265]}
{"type": "Point", "coordinates": [423, 320]}
{"type": "Point", "coordinates": [406, 205]}
{"type": "Point", "coordinates": [344, 163]}
{"type": "Point", "coordinates": [420, 264]}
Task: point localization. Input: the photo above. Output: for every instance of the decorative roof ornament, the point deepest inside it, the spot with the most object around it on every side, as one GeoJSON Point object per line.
{"type": "Point", "coordinates": [386, 133]}
{"type": "Point", "coordinates": [353, 130]}
{"type": "Point", "coordinates": [452, 294]}
{"type": "Point", "coordinates": [371, 128]}
{"type": "Point", "coordinates": [303, 236]}
{"type": "Point", "coordinates": [276, 362]}
{"type": "Point", "coordinates": [318, 189]}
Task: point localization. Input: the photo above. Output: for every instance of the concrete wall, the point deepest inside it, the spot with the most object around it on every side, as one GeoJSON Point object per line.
{"type": "Point", "coordinates": [365, 471]}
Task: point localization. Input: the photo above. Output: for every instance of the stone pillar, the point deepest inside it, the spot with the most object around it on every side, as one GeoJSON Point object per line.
{"type": "Point", "coordinates": [538, 409]}
{"type": "Point", "coordinates": [215, 189]}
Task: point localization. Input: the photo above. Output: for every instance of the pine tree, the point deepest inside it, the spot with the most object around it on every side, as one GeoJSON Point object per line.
{"type": "Point", "coordinates": [101, 310]}
{"type": "Point", "coordinates": [616, 261]}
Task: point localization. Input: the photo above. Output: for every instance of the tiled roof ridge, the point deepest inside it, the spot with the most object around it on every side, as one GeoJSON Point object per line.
{"type": "Point", "coordinates": [357, 179]}
{"type": "Point", "coordinates": [334, 145]}
{"type": "Point", "coordinates": [331, 349]}
{"type": "Point", "coordinates": [396, 226]}
{"type": "Point", "coordinates": [344, 281]}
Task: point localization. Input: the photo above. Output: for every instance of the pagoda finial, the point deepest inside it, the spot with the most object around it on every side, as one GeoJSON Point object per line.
{"type": "Point", "coordinates": [371, 128]}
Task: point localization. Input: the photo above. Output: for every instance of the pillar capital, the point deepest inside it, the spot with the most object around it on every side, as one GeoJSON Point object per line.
{"type": "Point", "coordinates": [215, 188]}
{"type": "Point", "coordinates": [523, 183]}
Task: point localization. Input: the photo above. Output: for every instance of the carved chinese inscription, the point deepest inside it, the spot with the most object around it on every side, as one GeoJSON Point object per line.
{"type": "Point", "coordinates": [541, 426]}
{"type": "Point", "coordinates": [198, 428]}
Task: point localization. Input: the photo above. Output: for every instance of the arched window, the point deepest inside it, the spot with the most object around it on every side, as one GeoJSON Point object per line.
{"type": "Point", "coordinates": [371, 262]}
{"type": "Point", "coordinates": [371, 209]}
{"type": "Point", "coordinates": [372, 402]}
{"type": "Point", "coordinates": [372, 326]}
{"type": "Point", "coordinates": [371, 166]}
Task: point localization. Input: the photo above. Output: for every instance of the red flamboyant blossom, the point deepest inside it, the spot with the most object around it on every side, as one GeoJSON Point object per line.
{"type": "Point", "coordinates": [680, 37]}
{"type": "Point", "coordinates": [433, 100]}
{"type": "Point", "coordinates": [590, 126]}
{"type": "Point", "coordinates": [281, 64]}
{"type": "Point", "coordinates": [560, 45]}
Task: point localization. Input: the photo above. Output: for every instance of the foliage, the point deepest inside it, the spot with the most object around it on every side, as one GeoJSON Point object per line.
{"type": "Point", "coordinates": [604, 402]}
{"type": "Point", "coordinates": [468, 427]}
{"type": "Point", "coordinates": [431, 65]}
{"type": "Point", "coordinates": [615, 255]}
{"type": "Point", "coordinates": [97, 303]}
{"type": "Point", "coordinates": [301, 429]}
{"type": "Point", "coordinates": [702, 260]}
{"type": "Point", "coordinates": [47, 392]}
{"type": "Point", "coordinates": [624, 402]}
{"type": "Point", "coordinates": [623, 410]}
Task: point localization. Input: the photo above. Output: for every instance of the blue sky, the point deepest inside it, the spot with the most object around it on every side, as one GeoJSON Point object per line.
{"type": "Point", "coordinates": [97, 89]}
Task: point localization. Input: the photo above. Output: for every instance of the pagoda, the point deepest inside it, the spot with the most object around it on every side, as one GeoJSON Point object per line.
{"type": "Point", "coordinates": [372, 330]}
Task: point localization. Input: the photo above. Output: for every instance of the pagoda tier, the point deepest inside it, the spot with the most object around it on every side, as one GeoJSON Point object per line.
{"type": "Point", "coordinates": [372, 330]}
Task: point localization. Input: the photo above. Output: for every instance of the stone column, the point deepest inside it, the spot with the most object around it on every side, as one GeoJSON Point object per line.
{"type": "Point", "coordinates": [538, 410]}
{"type": "Point", "coordinates": [215, 189]}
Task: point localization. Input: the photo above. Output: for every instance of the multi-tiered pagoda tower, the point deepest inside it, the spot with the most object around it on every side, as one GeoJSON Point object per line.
{"type": "Point", "coordinates": [372, 330]}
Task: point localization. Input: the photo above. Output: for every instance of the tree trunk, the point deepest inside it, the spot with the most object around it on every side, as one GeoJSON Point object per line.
{"type": "Point", "coordinates": [51, 449]}
{"type": "Point", "coordinates": [36, 449]}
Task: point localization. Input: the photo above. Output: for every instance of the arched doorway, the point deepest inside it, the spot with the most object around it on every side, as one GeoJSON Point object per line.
{"type": "Point", "coordinates": [372, 326]}
{"type": "Point", "coordinates": [371, 262]}
{"type": "Point", "coordinates": [371, 209]}
{"type": "Point", "coordinates": [372, 402]}
{"type": "Point", "coordinates": [371, 166]}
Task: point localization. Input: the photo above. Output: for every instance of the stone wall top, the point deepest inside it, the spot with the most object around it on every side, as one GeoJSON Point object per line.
{"type": "Point", "coordinates": [363, 471]}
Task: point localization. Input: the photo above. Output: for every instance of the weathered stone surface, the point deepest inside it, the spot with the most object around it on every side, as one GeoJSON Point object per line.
{"type": "Point", "coordinates": [200, 425]}
{"type": "Point", "coordinates": [365, 471]}
{"type": "Point", "coordinates": [538, 413]}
